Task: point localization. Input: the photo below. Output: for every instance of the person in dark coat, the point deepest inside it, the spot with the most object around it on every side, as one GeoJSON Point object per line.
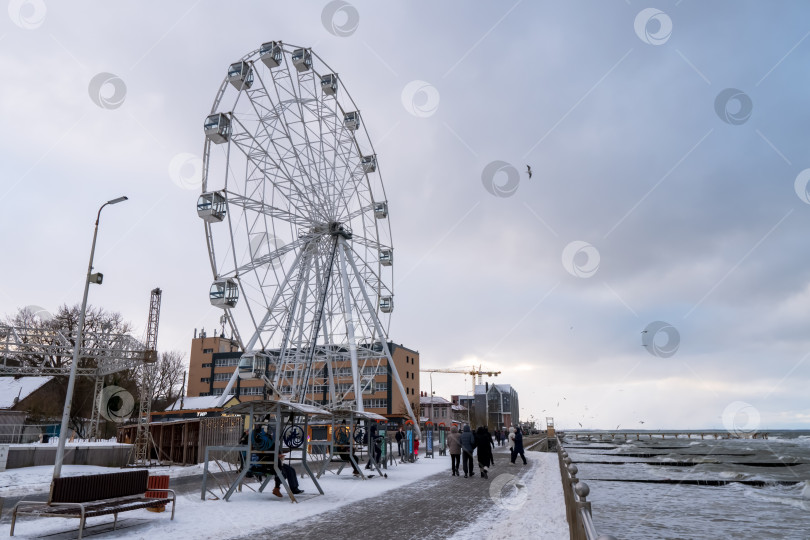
{"type": "Point", "coordinates": [454, 447]}
{"type": "Point", "coordinates": [483, 441]}
{"type": "Point", "coordinates": [343, 447]}
{"type": "Point", "coordinates": [400, 437]}
{"type": "Point", "coordinates": [518, 446]}
{"type": "Point", "coordinates": [467, 447]}
{"type": "Point", "coordinates": [374, 444]}
{"type": "Point", "coordinates": [498, 436]}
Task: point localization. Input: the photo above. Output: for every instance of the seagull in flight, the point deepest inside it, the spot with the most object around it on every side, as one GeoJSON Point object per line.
{"type": "Point", "coordinates": [529, 170]}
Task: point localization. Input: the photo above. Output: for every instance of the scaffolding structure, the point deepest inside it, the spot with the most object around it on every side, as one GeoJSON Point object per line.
{"type": "Point", "coordinates": [143, 437]}
{"type": "Point", "coordinates": [41, 351]}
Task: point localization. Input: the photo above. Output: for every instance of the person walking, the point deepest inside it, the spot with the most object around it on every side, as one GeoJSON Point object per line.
{"type": "Point", "coordinates": [498, 436]}
{"type": "Point", "coordinates": [512, 445]}
{"type": "Point", "coordinates": [454, 447]}
{"type": "Point", "coordinates": [483, 441]}
{"type": "Point", "coordinates": [467, 447]}
{"type": "Point", "coordinates": [518, 446]}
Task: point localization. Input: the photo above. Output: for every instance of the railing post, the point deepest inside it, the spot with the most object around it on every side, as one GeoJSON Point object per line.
{"type": "Point", "coordinates": [577, 507]}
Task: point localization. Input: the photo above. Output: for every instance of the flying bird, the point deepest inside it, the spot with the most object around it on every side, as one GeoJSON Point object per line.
{"type": "Point", "coordinates": [529, 170]}
{"type": "Point", "coordinates": [617, 427]}
{"type": "Point", "coordinates": [580, 424]}
{"type": "Point", "coordinates": [641, 421]}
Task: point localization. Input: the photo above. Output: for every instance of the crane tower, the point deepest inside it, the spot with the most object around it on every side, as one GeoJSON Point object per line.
{"type": "Point", "coordinates": [143, 437]}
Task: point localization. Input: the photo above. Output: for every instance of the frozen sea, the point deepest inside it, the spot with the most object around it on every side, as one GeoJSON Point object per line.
{"type": "Point", "coordinates": [764, 489]}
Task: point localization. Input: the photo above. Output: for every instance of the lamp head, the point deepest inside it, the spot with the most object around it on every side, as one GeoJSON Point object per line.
{"type": "Point", "coordinates": [118, 200]}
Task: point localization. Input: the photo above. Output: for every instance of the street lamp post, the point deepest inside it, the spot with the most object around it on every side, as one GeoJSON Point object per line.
{"type": "Point", "coordinates": [96, 278]}
{"type": "Point", "coordinates": [431, 397]}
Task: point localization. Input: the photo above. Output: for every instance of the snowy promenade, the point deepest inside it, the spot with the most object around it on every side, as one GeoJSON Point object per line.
{"type": "Point", "coordinates": [418, 500]}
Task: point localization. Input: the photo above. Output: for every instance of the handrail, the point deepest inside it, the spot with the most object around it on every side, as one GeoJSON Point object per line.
{"type": "Point", "coordinates": [577, 508]}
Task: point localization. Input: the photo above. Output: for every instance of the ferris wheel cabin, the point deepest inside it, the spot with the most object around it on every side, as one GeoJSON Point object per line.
{"type": "Point", "coordinates": [352, 120]}
{"type": "Point", "coordinates": [302, 59]}
{"type": "Point", "coordinates": [271, 54]}
{"type": "Point", "coordinates": [240, 75]}
{"type": "Point", "coordinates": [329, 84]}
{"type": "Point", "coordinates": [250, 366]}
{"type": "Point", "coordinates": [217, 128]}
{"type": "Point", "coordinates": [369, 163]}
{"type": "Point", "coordinates": [224, 293]}
{"type": "Point", "coordinates": [386, 304]}
{"type": "Point", "coordinates": [381, 210]}
{"type": "Point", "coordinates": [211, 207]}
{"type": "Point", "coordinates": [386, 256]}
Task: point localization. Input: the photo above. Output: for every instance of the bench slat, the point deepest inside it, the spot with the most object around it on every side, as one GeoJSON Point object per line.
{"type": "Point", "coordinates": [79, 489]}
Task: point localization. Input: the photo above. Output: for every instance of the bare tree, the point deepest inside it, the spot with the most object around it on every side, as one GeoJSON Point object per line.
{"type": "Point", "coordinates": [65, 322]}
{"type": "Point", "coordinates": [165, 378]}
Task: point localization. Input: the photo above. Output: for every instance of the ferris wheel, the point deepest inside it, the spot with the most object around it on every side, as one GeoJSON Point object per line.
{"type": "Point", "coordinates": [296, 223]}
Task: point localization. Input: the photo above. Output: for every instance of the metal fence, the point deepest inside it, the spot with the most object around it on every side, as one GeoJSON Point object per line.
{"type": "Point", "coordinates": [577, 507]}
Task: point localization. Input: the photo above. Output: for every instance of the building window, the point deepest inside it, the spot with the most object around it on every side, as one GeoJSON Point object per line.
{"type": "Point", "coordinates": [225, 362]}
{"type": "Point", "coordinates": [205, 379]}
{"type": "Point", "coordinates": [375, 403]}
{"type": "Point", "coordinates": [208, 351]}
{"type": "Point", "coordinates": [206, 365]}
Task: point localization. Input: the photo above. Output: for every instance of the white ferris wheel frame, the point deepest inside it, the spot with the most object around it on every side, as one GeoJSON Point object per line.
{"type": "Point", "coordinates": [288, 181]}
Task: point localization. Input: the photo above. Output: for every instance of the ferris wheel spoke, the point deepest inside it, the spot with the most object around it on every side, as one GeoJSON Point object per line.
{"type": "Point", "coordinates": [297, 164]}
{"type": "Point", "coordinates": [289, 131]}
{"type": "Point", "coordinates": [269, 258]}
{"type": "Point", "coordinates": [298, 92]}
{"type": "Point", "coordinates": [290, 187]}
{"type": "Point", "coordinates": [268, 210]}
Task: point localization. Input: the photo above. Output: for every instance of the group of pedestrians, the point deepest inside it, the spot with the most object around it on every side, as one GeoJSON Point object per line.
{"type": "Point", "coordinates": [461, 446]}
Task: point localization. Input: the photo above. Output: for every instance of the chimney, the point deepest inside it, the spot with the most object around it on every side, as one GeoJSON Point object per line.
{"type": "Point", "coordinates": [487, 387]}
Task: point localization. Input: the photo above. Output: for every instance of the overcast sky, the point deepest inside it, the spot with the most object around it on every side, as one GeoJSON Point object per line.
{"type": "Point", "coordinates": [667, 143]}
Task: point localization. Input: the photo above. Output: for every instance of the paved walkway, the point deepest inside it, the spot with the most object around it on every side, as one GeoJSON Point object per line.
{"type": "Point", "coordinates": [435, 507]}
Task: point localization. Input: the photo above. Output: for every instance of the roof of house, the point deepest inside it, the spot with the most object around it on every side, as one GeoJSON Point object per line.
{"type": "Point", "coordinates": [459, 408]}
{"type": "Point", "coordinates": [194, 403]}
{"type": "Point", "coordinates": [435, 400]}
{"type": "Point", "coordinates": [12, 388]}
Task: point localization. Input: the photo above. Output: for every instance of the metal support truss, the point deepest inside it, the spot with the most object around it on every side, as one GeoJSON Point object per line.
{"type": "Point", "coordinates": [41, 351]}
{"type": "Point", "coordinates": [143, 437]}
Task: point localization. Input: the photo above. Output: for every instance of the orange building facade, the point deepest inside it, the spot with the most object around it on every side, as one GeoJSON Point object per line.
{"type": "Point", "coordinates": [213, 360]}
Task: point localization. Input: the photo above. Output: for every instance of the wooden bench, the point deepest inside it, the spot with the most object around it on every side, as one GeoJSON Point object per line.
{"type": "Point", "coordinates": [95, 495]}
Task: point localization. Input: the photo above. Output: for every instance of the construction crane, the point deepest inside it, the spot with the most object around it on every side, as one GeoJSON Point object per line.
{"type": "Point", "coordinates": [479, 372]}
{"type": "Point", "coordinates": [143, 438]}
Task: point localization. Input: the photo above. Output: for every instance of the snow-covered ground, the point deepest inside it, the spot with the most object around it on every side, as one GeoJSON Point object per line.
{"type": "Point", "coordinates": [530, 506]}
{"type": "Point", "coordinates": [31, 480]}
{"type": "Point", "coordinates": [246, 512]}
